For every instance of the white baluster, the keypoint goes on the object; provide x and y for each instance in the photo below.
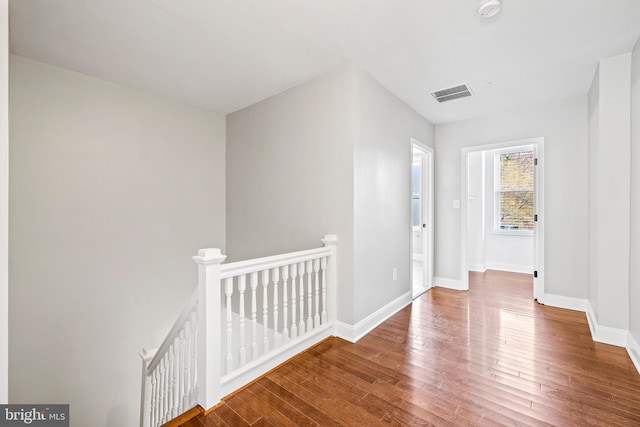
(228, 291)
(242, 285)
(285, 303)
(193, 393)
(167, 387)
(265, 309)
(323, 266)
(162, 392)
(186, 364)
(309, 296)
(294, 326)
(301, 326)
(316, 284)
(170, 374)
(181, 371)
(277, 339)
(154, 397)
(254, 315)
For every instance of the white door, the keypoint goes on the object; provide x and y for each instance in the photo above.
(421, 219)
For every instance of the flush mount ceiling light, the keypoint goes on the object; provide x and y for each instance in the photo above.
(489, 8)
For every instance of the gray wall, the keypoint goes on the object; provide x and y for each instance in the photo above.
(112, 191)
(330, 156)
(4, 199)
(290, 175)
(634, 294)
(593, 213)
(563, 124)
(382, 176)
(609, 190)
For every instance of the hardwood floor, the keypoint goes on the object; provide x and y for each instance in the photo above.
(489, 356)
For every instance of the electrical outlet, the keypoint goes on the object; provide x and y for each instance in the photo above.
(394, 274)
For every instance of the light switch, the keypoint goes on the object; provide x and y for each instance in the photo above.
(456, 204)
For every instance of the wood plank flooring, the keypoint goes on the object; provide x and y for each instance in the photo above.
(489, 356)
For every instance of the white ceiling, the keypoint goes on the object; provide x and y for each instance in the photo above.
(228, 54)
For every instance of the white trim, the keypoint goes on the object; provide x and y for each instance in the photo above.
(262, 365)
(569, 303)
(478, 268)
(428, 279)
(417, 257)
(454, 284)
(513, 268)
(419, 291)
(605, 334)
(353, 333)
(497, 170)
(633, 348)
(599, 333)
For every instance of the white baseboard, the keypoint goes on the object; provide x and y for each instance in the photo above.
(353, 333)
(419, 291)
(449, 283)
(605, 334)
(633, 348)
(513, 268)
(479, 268)
(570, 303)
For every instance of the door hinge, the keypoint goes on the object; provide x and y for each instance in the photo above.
(535, 217)
(535, 273)
(535, 162)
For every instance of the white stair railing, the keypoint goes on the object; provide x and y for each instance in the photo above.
(244, 319)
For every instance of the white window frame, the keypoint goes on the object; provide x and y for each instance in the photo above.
(496, 190)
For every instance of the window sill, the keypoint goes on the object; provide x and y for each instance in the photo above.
(523, 233)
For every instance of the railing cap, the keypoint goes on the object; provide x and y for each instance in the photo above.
(209, 256)
(330, 240)
(148, 354)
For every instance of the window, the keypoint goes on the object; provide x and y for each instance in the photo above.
(514, 190)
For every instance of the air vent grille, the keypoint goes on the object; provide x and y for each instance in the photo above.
(449, 94)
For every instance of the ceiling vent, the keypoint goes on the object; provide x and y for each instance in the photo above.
(449, 94)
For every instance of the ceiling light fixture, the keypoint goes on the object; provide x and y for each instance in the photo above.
(489, 8)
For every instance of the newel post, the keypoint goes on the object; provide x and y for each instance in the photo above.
(145, 407)
(331, 241)
(209, 326)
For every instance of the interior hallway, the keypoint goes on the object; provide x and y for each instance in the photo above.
(487, 356)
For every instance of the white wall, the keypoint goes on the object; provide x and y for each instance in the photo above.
(594, 144)
(290, 175)
(634, 261)
(330, 156)
(112, 191)
(476, 182)
(563, 124)
(4, 200)
(382, 188)
(609, 181)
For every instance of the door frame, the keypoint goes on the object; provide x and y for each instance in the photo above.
(427, 206)
(538, 231)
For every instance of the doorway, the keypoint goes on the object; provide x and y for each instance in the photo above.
(421, 218)
(494, 235)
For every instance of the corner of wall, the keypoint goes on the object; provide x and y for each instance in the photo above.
(605, 334)
(633, 348)
(353, 333)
